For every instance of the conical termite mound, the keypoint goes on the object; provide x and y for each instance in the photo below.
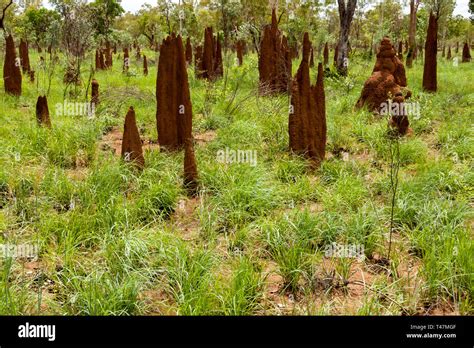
(190, 180)
(240, 48)
(326, 54)
(274, 62)
(307, 117)
(387, 79)
(95, 92)
(210, 62)
(24, 56)
(174, 111)
(42, 112)
(189, 51)
(132, 151)
(430, 80)
(466, 53)
(11, 69)
(145, 66)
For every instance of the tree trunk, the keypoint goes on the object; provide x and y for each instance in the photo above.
(412, 32)
(346, 13)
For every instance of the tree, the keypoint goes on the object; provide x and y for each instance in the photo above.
(412, 31)
(346, 13)
(4, 11)
(104, 13)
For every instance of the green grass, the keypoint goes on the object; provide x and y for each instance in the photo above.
(114, 241)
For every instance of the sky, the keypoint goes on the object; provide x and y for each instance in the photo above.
(462, 7)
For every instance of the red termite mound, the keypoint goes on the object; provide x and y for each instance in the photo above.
(466, 54)
(145, 66)
(431, 49)
(206, 62)
(174, 111)
(94, 92)
(191, 182)
(42, 112)
(307, 119)
(210, 62)
(388, 78)
(326, 54)
(274, 62)
(99, 60)
(11, 69)
(131, 143)
(240, 48)
(386, 82)
(189, 51)
(24, 56)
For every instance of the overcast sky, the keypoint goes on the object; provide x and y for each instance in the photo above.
(134, 5)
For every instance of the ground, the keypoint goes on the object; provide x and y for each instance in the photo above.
(114, 241)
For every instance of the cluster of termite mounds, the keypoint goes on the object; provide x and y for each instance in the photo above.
(274, 63)
(387, 82)
(209, 62)
(307, 118)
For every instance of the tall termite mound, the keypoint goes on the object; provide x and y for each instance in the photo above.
(240, 48)
(326, 54)
(94, 92)
(449, 56)
(145, 66)
(42, 112)
(24, 56)
(174, 111)
(11, 69)
(274, 62)
(190, 179)
(132, 151)
(430, 82)
(210, 61)
(189, 51)
(307, 118)
(385, 85)
(387, 79)
(466, 54)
